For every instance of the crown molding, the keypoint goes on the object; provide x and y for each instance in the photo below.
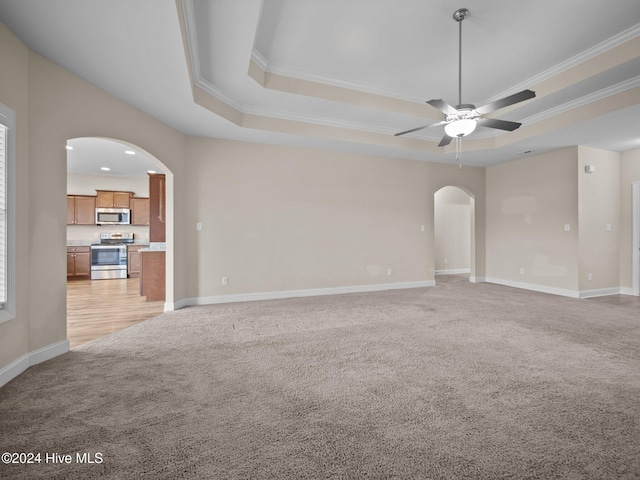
(209, 88)
(332, 81)
(572, 62)
(584, 100)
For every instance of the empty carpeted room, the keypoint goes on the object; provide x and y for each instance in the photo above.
(402, 239)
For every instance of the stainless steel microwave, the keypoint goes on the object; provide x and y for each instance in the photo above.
(113, 216)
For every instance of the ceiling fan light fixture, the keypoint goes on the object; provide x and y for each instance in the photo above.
(460, 128)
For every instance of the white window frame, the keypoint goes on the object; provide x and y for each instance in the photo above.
(7, 119)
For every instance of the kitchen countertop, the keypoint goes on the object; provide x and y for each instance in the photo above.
(88, 243)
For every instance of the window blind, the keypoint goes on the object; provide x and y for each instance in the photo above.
(3, 216)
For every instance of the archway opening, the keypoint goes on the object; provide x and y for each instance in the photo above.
(454, 242)
(101, 304)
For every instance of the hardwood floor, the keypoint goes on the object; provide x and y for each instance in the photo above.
(98, 307)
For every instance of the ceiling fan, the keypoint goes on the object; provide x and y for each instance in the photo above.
(463, 119)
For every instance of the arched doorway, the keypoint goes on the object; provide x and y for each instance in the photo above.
(96, 307)
(454, 242)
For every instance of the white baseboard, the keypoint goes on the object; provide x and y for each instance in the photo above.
(599, 292)
(627, 291)
(454, 271)
(477, 279)
(168, 306)
(535, 288)
(27, 360)
(251, 297)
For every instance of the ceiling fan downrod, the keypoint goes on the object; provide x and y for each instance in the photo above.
(459, 15)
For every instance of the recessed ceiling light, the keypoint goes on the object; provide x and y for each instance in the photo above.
(129, 152)
(68, 147)
(106, 169)
(151, 171)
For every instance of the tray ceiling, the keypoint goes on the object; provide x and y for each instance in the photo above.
(347, 75)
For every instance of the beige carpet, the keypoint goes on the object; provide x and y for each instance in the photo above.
(455, 381)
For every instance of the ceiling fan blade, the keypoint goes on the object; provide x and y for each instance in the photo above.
(499, 124)
(417, 128)
(446, 140)
(506, 101)
(409, 131)
(443, 106)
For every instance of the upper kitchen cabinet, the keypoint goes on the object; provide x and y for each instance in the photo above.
(157, 212)
(81, 210)
(113, 199)
(139, 211)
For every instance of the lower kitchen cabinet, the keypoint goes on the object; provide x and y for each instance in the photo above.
(152, 275)
(134, 260)
(78, 263)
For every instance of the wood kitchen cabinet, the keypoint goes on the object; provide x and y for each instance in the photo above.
(157, 204)
(78, 263)
(113, 199)
(152, 275)
(139, 210)
(81, 210)
(134, 260)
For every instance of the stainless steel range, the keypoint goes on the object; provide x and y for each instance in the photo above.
(109, 257)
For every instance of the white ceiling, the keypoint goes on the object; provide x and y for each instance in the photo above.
(346, 74)
(89, 156)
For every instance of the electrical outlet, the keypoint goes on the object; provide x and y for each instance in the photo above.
(422, 228)
(590, 276)
(199, 226)
(388, 271)
(225, 280)
(522, 271)
(446, 261)
(567, 227)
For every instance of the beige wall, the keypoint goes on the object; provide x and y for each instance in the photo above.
(452, 230)
(599, 219)
(14, 93)
(629, 173)
(281, 218)
(275, 218)
(528, 203)
(53, 105)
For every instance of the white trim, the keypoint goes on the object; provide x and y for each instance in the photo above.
(635, 244)
(599, 292)
(563, 66)
(453, 271)
(312, 292)
(169, 306)
(9, 121)
(478, 279)
(584, 100)
(200, 81)
(316, 120)
(572, 62)
(30, 359)
(626, 291)
(536, 288)
(299, 74)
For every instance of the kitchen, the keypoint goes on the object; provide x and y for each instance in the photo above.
(115, 238)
